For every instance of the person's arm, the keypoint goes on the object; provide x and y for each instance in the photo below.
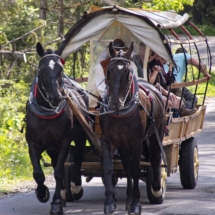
(203, 68)
(153, 75)
(164, 92)
(100, 82)
(161, 89)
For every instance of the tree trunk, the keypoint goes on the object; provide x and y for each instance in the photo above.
(60, 20)
(43, 8)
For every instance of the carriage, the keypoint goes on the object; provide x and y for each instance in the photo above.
(162, 32)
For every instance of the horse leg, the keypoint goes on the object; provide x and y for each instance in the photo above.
(155, 163)
(53, 154)
(57, 203)
(135, 207)
(110, 203)
(76, 188)
(42, 192)
(126, 162)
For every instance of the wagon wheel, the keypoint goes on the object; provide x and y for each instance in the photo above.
(114, 180)
(189, 163)
(149, 178)
(68, 177)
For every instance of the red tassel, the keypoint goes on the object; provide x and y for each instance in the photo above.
(62, 61)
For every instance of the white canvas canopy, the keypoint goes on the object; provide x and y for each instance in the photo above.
(163, 19)
(144, 25)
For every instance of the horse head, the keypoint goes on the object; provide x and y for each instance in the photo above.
(119, 77)
(50, 75)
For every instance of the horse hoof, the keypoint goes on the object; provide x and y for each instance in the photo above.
(110, 208)
(128, 204)
(156, 193)
(79, 195)
(63, 203)
(135, 210)
(43, 198)
(56, 209)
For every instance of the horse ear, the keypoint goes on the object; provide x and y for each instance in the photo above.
(130, 50)
(111, 50)
(40, 49)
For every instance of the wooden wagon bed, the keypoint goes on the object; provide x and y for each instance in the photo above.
(180, 129)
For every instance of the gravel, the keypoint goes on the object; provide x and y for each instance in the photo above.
(27, 186)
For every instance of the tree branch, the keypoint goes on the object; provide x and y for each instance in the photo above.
(64, 8)
(23, 35)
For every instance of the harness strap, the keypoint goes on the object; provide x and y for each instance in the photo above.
(50, 117)
(152, 123)
(145, 90)
(115, 115)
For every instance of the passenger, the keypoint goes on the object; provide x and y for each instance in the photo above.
(189, 98)
(139, 59)
(101, 68)
(182, 58)
(157, 76)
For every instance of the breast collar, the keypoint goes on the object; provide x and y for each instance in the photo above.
(42, 112)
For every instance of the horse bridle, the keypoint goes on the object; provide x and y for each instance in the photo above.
(46, 97)
(131, 77)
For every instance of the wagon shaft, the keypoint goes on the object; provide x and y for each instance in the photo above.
(91, 135)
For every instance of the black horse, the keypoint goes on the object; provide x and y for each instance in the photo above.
(51, 126)
(131, 114)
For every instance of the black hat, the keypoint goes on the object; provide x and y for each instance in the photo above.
(118, 44)
(181, 50)
(141, 44)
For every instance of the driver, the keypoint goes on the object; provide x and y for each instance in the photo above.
(101, 68)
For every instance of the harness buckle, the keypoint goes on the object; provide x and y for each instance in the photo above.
(151, 119)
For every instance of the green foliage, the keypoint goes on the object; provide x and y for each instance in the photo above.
(14, 157)
(211, 86)
(201, 89)
(3, 38)
(18, 18)
(167, 4)
(78, 64)
(202, 12)
(207, 30)
(32, 39)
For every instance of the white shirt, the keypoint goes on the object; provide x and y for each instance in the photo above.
(100, 78)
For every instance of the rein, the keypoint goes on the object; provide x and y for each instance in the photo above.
(151, 119)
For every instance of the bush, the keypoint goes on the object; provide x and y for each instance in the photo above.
(201, 87)
(14, 159)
